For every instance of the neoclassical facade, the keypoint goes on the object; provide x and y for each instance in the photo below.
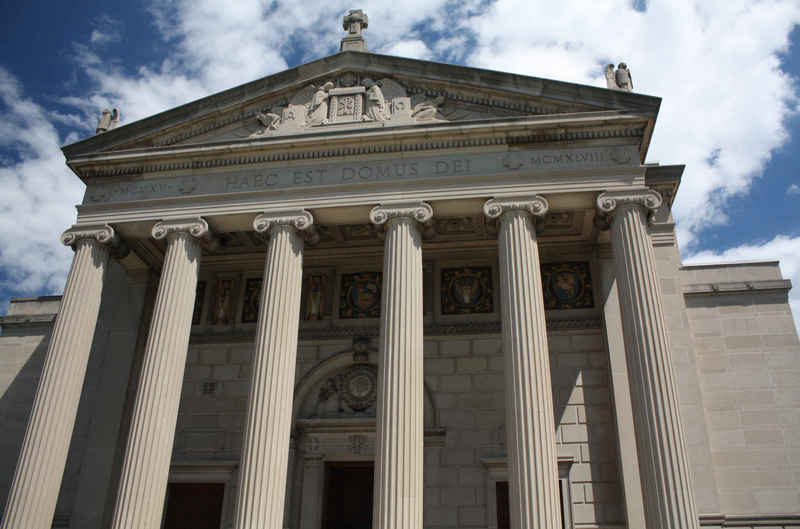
(375, 291)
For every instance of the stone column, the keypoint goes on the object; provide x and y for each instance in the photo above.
(398, 489)
(663, 462)
(145, 470)
(34, 491)
(264, 460)
(530, 422)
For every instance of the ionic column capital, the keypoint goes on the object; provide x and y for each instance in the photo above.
(100, 233)
(299, 220)
(196, 227)
(647, 199)
(536, 205)
(421, 212)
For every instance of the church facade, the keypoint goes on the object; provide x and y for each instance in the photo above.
(380, 292)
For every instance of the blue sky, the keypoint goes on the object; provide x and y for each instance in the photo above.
(727, 71)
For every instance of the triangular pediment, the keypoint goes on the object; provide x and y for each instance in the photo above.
(362, 91)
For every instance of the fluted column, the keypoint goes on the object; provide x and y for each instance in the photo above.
(32, 499)
(399, 460)
(530, 421)
(264, 460)
(663, 462)
(145, 470)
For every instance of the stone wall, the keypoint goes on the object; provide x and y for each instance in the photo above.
(466, 383)
(748, 360)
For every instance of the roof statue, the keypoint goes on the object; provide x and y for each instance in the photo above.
(354, 21)
(620, 79)
(107, 120)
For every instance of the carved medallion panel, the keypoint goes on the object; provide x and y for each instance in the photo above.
(567, 286)
(360, 295)
(467, 290)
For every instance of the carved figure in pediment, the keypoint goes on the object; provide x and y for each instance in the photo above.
(269, 120)
(375, 108)
(427, 109)
(318, 109)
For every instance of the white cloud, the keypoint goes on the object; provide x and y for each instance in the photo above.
(37, 197)
(784, 248)
(793, 189)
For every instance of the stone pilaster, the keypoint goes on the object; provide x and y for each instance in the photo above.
(262, 479)
(145, 470)
(663, 462)
(398, 495)
(530, 421)
(34, 491)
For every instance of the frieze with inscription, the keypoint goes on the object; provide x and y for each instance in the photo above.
(368, 172)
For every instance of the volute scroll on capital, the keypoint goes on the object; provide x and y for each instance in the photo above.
(421, 212)
(536, 205)
(102, 233)
(647, 199)
(300, 220)
(196, 227)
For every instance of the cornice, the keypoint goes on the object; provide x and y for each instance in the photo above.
(737, 287)
(433, 137)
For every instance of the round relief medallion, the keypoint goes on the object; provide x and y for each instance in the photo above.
(360, 385)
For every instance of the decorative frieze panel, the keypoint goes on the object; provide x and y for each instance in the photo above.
(567, 286)
(467, 290)
(360, 295)
(252, 299)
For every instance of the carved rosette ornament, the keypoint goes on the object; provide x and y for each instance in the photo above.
(360, 387)
(535, 205)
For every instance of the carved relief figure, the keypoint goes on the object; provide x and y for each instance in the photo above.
(375, 109)
(315, 298)
(318, 109)
(222, 309)
(268, 119)
(427, 109)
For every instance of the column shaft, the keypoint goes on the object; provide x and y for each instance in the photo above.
(530, 421)
(399, 458)
(663, 462)
(32, 499)
(264, 460)
(145, 470)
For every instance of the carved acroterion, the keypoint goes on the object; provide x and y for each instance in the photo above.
(620, 79)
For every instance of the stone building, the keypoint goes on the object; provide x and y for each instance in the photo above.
(380, 290)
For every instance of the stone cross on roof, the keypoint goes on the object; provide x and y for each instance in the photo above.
(354, 21)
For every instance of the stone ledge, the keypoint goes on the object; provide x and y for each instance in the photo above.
(736, 287)
(749, 520)
(27, 319)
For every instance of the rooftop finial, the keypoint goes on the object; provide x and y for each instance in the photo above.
(354, 21)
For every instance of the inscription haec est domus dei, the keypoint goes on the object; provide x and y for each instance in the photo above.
(364, 172)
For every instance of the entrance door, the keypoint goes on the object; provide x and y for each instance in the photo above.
(348, 496)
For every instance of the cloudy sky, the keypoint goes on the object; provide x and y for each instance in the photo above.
(727, 71)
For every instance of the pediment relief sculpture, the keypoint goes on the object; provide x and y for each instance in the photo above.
(349, 99)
